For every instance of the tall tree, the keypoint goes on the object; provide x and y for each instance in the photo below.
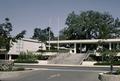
(20, 35)
(43, 34)
(5, 37)
(90, 24)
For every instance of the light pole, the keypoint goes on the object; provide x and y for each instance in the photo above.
(49, 33)
(58, 36)
(49, 36)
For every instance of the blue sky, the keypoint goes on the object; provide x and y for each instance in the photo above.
(29, 14)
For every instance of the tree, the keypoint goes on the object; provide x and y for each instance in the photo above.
(111, 55)
(117, 28)
(43, 34)
(5, 37)
(21, 34)
(108, 56)
(90, 24)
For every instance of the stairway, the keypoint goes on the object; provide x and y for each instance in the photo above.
(67, 58)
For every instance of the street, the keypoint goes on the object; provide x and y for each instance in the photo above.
(88, 68)
(57, 75)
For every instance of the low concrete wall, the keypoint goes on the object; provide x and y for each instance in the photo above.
(42, 62)
(46, 53)
(88, 63)
(108, 77)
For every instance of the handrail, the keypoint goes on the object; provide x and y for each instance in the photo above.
(89, 52)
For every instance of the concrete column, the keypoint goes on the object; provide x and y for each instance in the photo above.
(117, 46)
(110, 46)
(74, 47)
(10, 57)
(80, 48)
(84, 49)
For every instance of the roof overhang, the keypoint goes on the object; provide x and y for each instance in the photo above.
(85, 41)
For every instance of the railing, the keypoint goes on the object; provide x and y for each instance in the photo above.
(89, 53)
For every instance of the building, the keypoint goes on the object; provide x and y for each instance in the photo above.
(78, 46)
(25, 45)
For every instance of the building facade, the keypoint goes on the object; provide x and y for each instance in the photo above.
(78, 46)
(25, 45)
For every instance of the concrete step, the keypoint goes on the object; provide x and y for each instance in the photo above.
(68, 59)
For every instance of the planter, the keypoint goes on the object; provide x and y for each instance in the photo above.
(108, 77)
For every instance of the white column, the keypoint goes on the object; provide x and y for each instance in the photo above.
(58, 46)
(10, 57)
(110, 46)
(74, 47)
(80, 48)
(117, 46)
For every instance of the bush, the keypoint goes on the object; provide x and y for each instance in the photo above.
(54, 50)
(26, 57)
(47, 51)
(118, 71)
(6, 65)
(25, 61)
(107, 63)
(92, 58)
(41, 57)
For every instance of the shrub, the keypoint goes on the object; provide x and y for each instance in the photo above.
(26, 57)
(55, 50)
(25, 61)
(6, 65)
(42, 57)
(118, 71)
(107, 63)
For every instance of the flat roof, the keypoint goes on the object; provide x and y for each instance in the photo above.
(31, 40)
(86, 41)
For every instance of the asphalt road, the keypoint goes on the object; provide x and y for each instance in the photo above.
(57, 75)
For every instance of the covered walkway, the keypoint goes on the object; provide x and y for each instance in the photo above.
(108, 43)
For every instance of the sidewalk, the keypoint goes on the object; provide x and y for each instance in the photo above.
(84, 64)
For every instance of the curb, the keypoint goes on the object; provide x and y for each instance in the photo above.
(61, 65)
